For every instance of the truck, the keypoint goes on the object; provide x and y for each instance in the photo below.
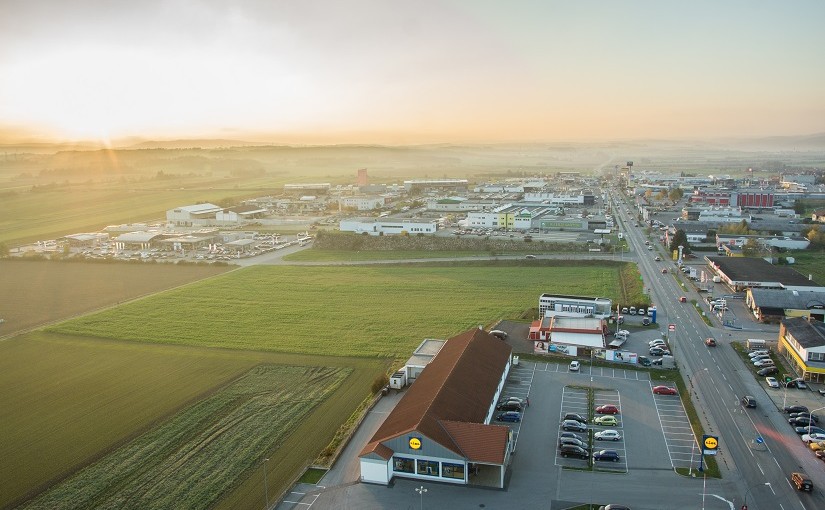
(692, 273)
(717, 279)
(754, 344)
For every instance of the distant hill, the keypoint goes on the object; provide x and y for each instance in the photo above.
(188, 144)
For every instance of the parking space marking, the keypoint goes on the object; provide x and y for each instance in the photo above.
(680, 440)
(606, 372)
(602, 397)
(573, 400)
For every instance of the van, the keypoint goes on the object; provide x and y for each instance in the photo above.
(802, 482)
(501, 334)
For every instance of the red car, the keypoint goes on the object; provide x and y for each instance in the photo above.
(683, 299)
(710, 342)
(665, 390)
(664, 270)
(607, 409)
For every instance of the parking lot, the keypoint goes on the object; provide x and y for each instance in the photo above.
(679, 439)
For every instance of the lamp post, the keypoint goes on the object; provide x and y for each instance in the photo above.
(266, 487)
(811, 422)
(745, 504)
(421, 490)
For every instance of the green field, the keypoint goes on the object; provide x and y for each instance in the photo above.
(810, 262)
(312, 255)
(345, 311)
(195, 458)
(76, 399)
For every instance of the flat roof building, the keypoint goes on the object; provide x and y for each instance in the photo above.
(802, 342)
(741, 273)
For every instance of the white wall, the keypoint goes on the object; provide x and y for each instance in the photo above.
(375, 471)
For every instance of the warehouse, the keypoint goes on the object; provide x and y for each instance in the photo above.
(440, 430)
(742, 273)
(773, 305)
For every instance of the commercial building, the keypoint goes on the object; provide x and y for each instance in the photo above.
(570, 335)
(440, 429)
(388, 226)
(422, 185)
(742, 273)
(773, 305)
(786, 242)
(362, 203)
(802, 342)
(582, 305)
(192, 215)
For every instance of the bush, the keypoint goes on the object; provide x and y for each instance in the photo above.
(379, 383)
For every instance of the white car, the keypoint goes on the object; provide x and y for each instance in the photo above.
(764, 363)
(754, 354)
(772, 382)
(809, 438)
(607, 435)
(658, 341)
(574, 366)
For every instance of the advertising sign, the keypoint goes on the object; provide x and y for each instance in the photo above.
(710, 445)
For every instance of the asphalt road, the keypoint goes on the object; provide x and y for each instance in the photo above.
(718, 379)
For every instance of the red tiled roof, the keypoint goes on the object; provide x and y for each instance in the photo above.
(379, 449)
(457, 385)
(480, 443)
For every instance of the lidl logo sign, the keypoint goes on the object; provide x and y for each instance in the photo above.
(711, 443)
(415, 443)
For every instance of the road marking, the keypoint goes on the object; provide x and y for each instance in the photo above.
(760, 469)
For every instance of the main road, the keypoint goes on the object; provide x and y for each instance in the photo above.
(717, 379)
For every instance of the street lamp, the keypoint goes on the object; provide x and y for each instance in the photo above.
(266, 488)
(421, 490)
(811, 422)
(745, 504)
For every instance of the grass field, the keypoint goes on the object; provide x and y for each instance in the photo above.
(33, 293)
(361, 256)
(76, 399)
(343, 311)
(203, 451)
(810, 262)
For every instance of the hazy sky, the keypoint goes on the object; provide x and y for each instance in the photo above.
(384, 71)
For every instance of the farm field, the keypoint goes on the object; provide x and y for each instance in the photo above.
(810, 262)
(76, 399)
(359, 256)
(34, 293)
(197, 456)
(347, 311)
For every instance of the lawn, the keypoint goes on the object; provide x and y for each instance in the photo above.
(382, 311)
(77, 399)
(810, 262)
(34, 293)
(199, 455)
(312, 255)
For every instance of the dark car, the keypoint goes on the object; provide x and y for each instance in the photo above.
(569, 450)
(575, 442)
(513, 416)
(768, 371)
(574, 416)
(570, 435)
(574, 425)
(801, 421)
(607, 409)
(748, 401)
(509, 406)
(658, 351)
(611, 455)
(644, 361)
(806, 415)
(796, 409)
(645, 322)
(809, 430)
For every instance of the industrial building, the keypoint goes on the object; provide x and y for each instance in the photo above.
(388, 226)
(742, 273)
(440, 430)
(582, 305)
(773, 305)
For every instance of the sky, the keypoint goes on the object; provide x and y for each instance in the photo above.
(385, 71)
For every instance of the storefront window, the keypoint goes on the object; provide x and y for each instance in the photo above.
(428, 467)
(403, 465)
(453, 470)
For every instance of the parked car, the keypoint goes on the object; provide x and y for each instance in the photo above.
(611, 455)
(511, 405)
(765, 363)
(512, 416)
(772, 382)
(607, 409)
(664, 270)
(801, 421)
(760, 358)
(657, 258)
(665, 390)
(569, 450)
(768, 371)
(658, 351)
(748, 401)
(570, 435)
(658, 341)
(800, 384)
(574, 366)
(606, 421)
(614, 507)
(820, 454)
(504, 400)
(645, 322)
(813, 437)
(760, 352)
(574, 425)
(816, 445)
(809, 430)
(682, 299)
(575, 442)
(574, 416)
(607, 435)
(710, 342)
(644, 361)
(805, 415)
